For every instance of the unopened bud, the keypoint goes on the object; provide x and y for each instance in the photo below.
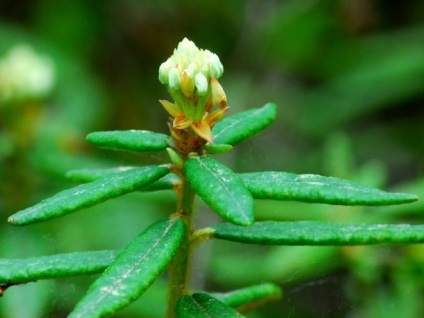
(201, 84)
(215, 66)
(174, 78)
(164, 69)
(187, 49)
(187, 85)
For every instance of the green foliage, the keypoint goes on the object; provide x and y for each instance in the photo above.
(319, 233)
(89, 194)
(250, 296)
(337, 68)
(221, 189)
(202, 305)
(317, 189)
(132, 140)
(135, 268)
(18, 271)
(240, 127)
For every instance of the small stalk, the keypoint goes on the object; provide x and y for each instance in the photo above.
(179, 269)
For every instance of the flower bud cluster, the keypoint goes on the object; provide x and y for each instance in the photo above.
(24, 75)
(190, 75)
(190, 68)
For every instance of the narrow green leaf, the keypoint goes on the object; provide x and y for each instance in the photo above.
(90, 175)
(221, 189)
(167, 182)
(16, 271)
(89, 194)
(133, 271)
(200, 305)
(250, 297)
(320, 233)
(130, 140)
(317, 189)
(217, 148)
(235, 129)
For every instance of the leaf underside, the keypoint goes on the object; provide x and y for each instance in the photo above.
(89, 194)
(16, 271)
(235, 129)
(133, 270)
(130, 140)
(317, 189)
(200, 305)
(319, 233)
(221, 189)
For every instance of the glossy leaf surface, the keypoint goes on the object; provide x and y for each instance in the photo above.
(320, 233)
(200, 305)
(317, 189)
(89, 194)
(235, 129)
(130, 140)
(250, 296)
(133, 271)
(221, 189)
(15, 271)
(167, 182)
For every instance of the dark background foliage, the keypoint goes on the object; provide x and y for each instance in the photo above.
(348, 78)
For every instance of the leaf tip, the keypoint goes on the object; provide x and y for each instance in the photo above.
(271, 106)
(13, 220)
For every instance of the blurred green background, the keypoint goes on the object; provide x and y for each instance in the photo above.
(348, 78)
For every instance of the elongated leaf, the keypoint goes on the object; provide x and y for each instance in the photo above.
(167, 182)
(90, 175)
(217, 148)
(320, 233)
(89, 194)
(317, 189)
(200, 305)
(133, 271)
(250, 297)
(16, 271)
(240, 127)
(130, 140)
(221, 189)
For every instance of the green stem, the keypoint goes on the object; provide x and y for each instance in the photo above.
(179, 270)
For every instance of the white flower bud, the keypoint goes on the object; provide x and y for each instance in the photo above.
(187, 49)
(215, 66)
(191, 70)
(164, 69)
(201, 83)
(174, 78)
(205, 69)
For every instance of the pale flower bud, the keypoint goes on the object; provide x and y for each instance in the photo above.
(164, 69)
(174, 78)
(201, 83)
(187, 84)
(190, 75)
(190, 60)
(187, 49)
(215, 66)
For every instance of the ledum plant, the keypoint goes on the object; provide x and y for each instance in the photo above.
(198, 130)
